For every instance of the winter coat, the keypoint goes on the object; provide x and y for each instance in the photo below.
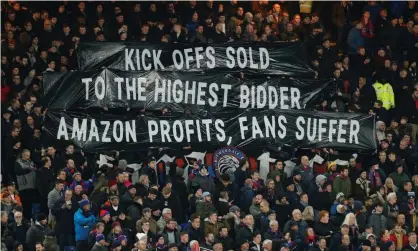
(83, 225)
(214, 228)
(384, 92)
(338, 15)
(307, 176)
(126, 200)
(152, 225)
(240, 177)
(87, 186)
(176, 236)
(361, 189)
(399, 178)
(404, 238)
(354, 40)
(26, 176)
(322, 229)
(53, 197)
(98, 247)
(204, 209)
(173, 203)
(64, 216)
(244, 234)
(247, 195)
(342, 185)
(44, 181)
(152, 175)
(204, 182)
(134, 211)
(19, 232)
(195, 234)
(227, 242)
(378, 221)
(50, 243)
(391, 211)
(36, 233)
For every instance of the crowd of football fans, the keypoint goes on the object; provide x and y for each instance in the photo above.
(51, 198)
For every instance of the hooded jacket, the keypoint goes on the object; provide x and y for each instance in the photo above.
(83, 225)
(36, 233)
(378, 221)
(384, 92)
(342, 185)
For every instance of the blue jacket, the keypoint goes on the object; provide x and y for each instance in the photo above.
(354, 40)
(83, 225)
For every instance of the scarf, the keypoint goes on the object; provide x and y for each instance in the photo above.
(399, 241)
(375, 178)
(310, 240)
(256, 184)
(304, 203)
(346, 85)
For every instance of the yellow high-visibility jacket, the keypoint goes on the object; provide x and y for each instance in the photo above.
(384, 92)
(305, 6)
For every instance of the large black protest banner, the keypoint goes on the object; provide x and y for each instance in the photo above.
(177, 91)
(246, 130)
(284, 59)
(125, 98)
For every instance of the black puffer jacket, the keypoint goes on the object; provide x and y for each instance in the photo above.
(36, 233)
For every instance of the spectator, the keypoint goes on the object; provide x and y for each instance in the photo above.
(369, 49)
(83, 221)
(377, 220)
(355, 40)
(37, 231)
(342, 183)
(26, 181)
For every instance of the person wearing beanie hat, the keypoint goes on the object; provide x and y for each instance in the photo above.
(75, 174)
(77, 180)
(123, 240)
(103, 213)
(36, 232)
(100, 244)
(128, 198)
(116, 244)
(234, 209)
(84, 221)
(390, 245)
(84, 203)
(41, 217)
(100, 237)
(112, 183)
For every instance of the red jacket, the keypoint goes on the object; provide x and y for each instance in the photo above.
(404, 239)
(5, 90)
